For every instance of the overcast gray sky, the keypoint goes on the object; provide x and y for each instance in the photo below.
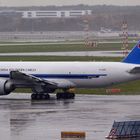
(66, 2)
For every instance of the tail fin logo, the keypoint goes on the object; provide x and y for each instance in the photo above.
(139, 46)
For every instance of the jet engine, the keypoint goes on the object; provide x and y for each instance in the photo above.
(6, 87)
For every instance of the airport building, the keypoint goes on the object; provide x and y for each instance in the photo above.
(55, 14)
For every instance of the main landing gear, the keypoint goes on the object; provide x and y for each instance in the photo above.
(40, 96)
(65, 95)
(46, 96)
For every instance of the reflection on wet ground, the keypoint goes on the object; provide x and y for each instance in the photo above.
(21, 119)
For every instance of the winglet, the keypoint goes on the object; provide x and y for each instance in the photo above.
(134, 56)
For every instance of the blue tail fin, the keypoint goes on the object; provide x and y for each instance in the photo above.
(134, 55)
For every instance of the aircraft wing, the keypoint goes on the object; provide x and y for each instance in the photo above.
(33, 80)
(135, 70)
(16, 75)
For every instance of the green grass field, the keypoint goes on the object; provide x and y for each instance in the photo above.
(130, 88)
(59, 58)
(60, 47)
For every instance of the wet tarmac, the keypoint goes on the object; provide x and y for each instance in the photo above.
(21, 118)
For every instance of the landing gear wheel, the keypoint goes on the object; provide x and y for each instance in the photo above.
(38, 97)
(65, 95)
(47, 96)
(41, 96)
(33, 96)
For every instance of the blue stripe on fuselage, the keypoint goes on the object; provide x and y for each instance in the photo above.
(63, 76)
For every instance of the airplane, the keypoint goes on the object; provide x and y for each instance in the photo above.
(46, 77)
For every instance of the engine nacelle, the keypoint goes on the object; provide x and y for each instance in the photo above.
(6, 87)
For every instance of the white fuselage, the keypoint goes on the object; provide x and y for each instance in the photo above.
(79, 74)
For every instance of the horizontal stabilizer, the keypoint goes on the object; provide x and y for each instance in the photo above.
(135, 70)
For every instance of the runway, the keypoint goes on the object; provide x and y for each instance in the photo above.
(21, 119)
(73, 53)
